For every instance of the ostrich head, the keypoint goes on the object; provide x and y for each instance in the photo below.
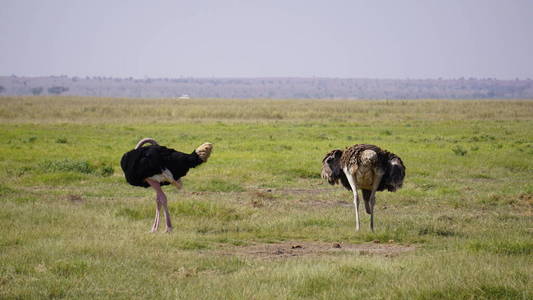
(204, 151)
(395, 174)
(331, 167)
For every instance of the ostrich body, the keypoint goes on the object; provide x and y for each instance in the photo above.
(155, 165)
(365, 167)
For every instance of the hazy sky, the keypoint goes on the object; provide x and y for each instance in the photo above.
(225, 38)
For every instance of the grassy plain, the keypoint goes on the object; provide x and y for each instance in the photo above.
(71, 227)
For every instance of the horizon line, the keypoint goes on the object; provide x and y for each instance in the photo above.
(269, 77)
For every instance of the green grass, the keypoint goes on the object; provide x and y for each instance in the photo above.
(71, 227)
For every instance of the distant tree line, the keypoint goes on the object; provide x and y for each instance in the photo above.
(56, 90)
(334, 88)
(37, 90)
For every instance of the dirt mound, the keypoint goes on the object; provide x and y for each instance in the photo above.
(299, 248)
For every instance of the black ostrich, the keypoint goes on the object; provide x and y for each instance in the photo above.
(156, 165)
(366, 167)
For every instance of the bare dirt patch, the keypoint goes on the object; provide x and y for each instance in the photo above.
(298, 190)
(75, 198)
(302, 248)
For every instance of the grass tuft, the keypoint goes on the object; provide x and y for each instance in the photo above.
(66, 165)
(303, 173)
(193, 245)
(75, 166)
(436, 232)
(503, 247)
(314, 286)
(219, 185)
(76, 268)
(206, 210)
(136, 213)
(459, 150)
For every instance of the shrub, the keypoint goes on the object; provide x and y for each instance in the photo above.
(67, 165)
(386, 132)
(459, 150)
(106, 170)
(75, 166)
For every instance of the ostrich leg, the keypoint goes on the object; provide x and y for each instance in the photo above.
(377, 180)
(155, 185)
(155, 226)
(355, 197)
(167, 213)
(161, 199)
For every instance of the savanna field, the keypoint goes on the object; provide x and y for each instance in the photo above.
(257, 221)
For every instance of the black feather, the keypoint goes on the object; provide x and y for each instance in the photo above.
(139, 164)
(394, 173)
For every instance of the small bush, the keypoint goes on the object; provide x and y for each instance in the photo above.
(31, 139)
(67, 165)
(106, 170)
(386, 132)
(61, 141)
(482, 138)
(482, 176)
(459, 150)
(76, 166)
(280, 148)
(436, 232)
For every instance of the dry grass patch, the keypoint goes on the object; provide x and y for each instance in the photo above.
(292, 249)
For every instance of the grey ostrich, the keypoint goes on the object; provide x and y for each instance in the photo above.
(365, 167)
(155, 165)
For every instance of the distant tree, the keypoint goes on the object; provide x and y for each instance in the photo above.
(57, 90)
(37, 90)
(2, 89)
